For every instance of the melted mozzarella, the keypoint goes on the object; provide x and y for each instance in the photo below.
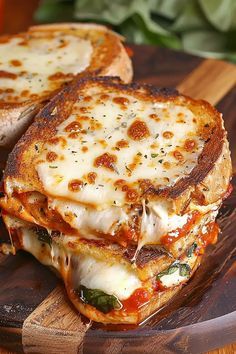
(104, 125)
(37, 59)
(111, 278)
(87, 220)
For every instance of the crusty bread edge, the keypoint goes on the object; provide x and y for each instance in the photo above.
(15, 118)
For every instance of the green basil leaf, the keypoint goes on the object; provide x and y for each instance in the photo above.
(170, 270)
(184, 270)
(191, 249)
(100, 300)
(43, 236)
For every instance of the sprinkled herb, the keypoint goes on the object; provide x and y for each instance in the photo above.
(139, 154)
(43, 236)
(53, 166)
(161, 160)
(191, 249)
(128, 169)
(184, 270)
(156, 136)
(145, 156)
(154, 155)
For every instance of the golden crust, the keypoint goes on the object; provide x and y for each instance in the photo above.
(108, 58)
(198, 187)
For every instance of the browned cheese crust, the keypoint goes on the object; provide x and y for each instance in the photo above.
(205, 184)
(109, 57)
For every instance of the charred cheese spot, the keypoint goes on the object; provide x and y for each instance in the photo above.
(7, 75)
(189, 145)
(87, 98)
(131, 195)
(121, 101)
(60, 76)
(122, 144)
(84, 109)
(168, 135)
(51, 156)
(91, 177)
(138, 130)
(75, 185)
(15, 62)
(84, 149)
(74, 135)
(106, 160)
(73, 127)
(154, 117)
(178, 156)
(104, 97)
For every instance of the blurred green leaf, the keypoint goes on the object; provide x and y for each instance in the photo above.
(203, 27)
(220, 13)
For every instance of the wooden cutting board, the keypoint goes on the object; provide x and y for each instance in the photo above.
(35, 315)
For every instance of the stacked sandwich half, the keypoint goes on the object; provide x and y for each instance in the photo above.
(117, 187)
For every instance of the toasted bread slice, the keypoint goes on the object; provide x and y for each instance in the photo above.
(180, 167)
(37, 63)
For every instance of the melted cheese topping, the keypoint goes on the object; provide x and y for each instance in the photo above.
(118, 138)
(113, 279)
(28, 63)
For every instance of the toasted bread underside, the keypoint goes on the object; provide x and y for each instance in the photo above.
(26, 60)
(206, 182)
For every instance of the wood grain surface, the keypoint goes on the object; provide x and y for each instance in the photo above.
(32, 297)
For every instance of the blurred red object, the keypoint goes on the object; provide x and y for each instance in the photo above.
(1, 14)
(16, 15)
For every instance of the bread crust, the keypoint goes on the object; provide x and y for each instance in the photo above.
(206, 183)
(108, 58)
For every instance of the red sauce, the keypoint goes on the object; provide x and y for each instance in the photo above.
(228, 192)
(106, 160)
(210, 237)
(138, 130)
(136, 300)
(158, 286)
(180, 232)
